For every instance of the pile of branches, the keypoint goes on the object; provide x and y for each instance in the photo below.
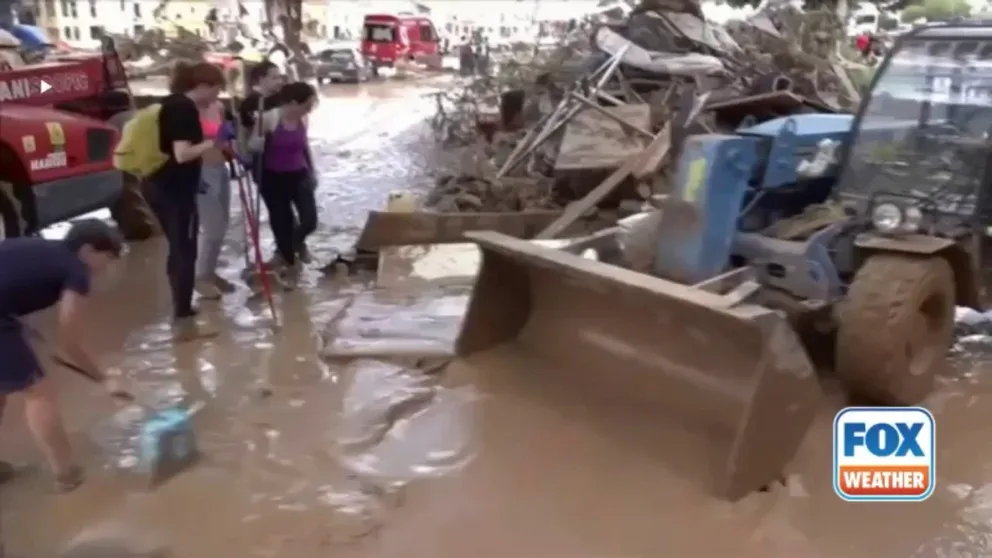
(802, 45)
(781, 61)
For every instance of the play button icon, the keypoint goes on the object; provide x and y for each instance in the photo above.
(45, 87)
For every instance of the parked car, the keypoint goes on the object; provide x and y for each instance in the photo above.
(341, 63)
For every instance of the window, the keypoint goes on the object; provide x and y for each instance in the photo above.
(50, 8)
(73, 11)
(379, 33)
(93, 8)
(96, 32)
(123, 6)
(137, 9)
(138, 30)
(65, 8)
(67, 33)
(338, 55)
(75, 33)
(427, 33)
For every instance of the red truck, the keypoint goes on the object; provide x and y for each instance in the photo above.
(59, 124)
(387, 38)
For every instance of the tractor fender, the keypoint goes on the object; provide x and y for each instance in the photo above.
(965, 278)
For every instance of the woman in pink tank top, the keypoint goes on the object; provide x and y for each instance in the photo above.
(214, 205)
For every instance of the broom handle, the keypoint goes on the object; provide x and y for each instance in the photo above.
(36, 335)
(252, 222)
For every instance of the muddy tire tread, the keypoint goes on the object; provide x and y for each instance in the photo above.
(11, 220)
(132, 213)
(886, 292)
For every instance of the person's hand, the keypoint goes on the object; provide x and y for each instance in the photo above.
(227, 131)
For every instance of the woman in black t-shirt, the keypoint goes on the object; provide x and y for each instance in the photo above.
(175, 185)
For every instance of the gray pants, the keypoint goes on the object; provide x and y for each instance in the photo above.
(214, 205)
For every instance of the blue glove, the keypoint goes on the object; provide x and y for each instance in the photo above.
(227, 132)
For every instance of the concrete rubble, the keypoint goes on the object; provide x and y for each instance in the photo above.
(595, 122)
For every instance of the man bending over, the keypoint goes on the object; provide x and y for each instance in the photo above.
(36, 274)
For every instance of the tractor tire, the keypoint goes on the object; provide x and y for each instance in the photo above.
(895, 328)
(11, 225)
(132, 213)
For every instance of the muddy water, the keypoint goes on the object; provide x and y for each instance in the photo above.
(307, 457)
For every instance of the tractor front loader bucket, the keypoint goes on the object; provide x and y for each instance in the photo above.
(721, 391)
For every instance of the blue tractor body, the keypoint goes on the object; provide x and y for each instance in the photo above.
(740, 186)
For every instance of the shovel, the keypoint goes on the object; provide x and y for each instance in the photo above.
(167, 443)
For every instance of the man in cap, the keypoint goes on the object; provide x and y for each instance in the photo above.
(35, 274)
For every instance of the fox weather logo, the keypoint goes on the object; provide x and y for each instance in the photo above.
(884, 454)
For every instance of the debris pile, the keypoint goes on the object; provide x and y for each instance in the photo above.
(153, 52)
(600, 117)
(464, 192)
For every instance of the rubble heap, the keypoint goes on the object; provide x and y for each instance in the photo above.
(600, 116)
(153, 52)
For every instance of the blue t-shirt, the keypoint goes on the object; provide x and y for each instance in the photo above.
(34, 273)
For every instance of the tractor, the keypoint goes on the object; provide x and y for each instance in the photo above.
(60, 120)
(848, 236)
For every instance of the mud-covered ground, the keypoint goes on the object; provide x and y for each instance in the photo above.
(307, 458)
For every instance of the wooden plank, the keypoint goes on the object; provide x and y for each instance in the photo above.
(654, 154)
(579, 208)
(611, 115)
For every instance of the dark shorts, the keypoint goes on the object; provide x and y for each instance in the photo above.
(19, 367)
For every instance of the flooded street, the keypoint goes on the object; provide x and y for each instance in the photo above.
(309, 457)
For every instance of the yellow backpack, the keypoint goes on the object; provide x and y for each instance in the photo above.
(138, 151)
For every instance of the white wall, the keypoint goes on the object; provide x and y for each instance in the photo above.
(504, 19)
(112, 16)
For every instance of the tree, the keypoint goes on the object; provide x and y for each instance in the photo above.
(937, 10)
(886, 23)
(884, 5)
(912, 13)
(287, 17)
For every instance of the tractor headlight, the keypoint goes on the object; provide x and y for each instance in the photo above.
(912, 218)
(887, 217)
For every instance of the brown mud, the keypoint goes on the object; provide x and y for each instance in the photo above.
(311, 457)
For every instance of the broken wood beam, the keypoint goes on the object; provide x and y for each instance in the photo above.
(654, 154)
(616, 118)
(577, 209)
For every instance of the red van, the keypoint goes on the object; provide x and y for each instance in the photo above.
(388, 38)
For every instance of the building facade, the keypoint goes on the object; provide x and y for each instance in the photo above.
(499, 20)
(505, 20)
(81, 23)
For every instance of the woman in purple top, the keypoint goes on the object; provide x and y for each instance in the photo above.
(287, 170)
